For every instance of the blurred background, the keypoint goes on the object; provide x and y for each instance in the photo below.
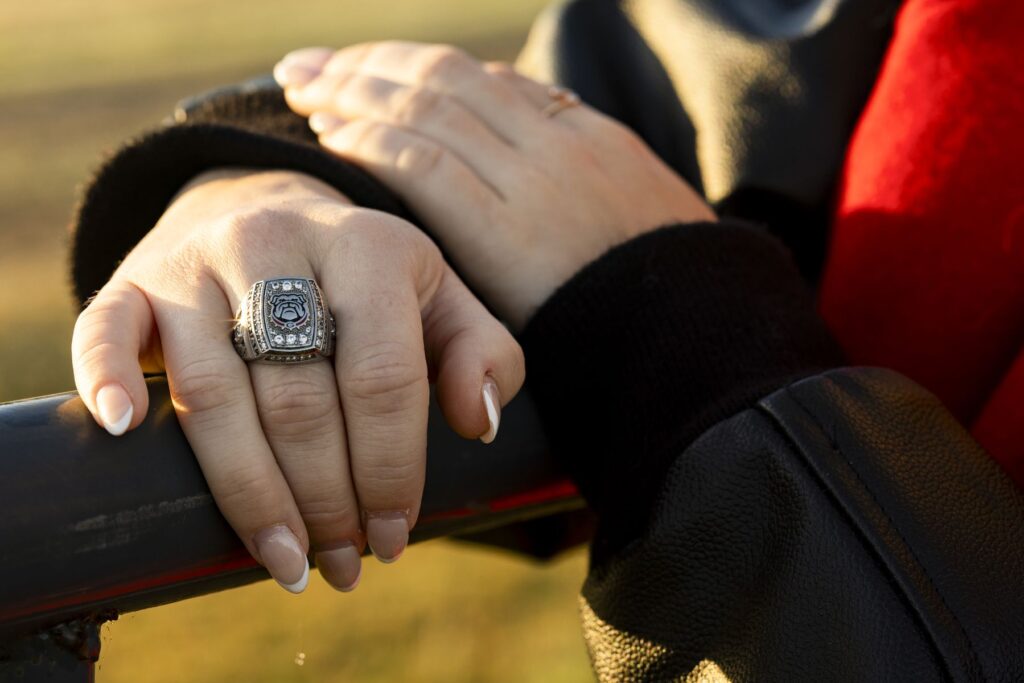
(75, 79)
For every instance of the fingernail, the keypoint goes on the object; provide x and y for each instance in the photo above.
(341, 566)
(280, 552)
(311, 57)
(115, 408)
(293, 74)
(387, 533)
(492, 402)
(321, 122)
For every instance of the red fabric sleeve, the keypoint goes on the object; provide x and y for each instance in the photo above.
(925, 270)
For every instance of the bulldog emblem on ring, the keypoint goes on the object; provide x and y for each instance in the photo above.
(289, 310)
(284, 320)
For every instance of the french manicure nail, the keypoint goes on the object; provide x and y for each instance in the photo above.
(492, 403)
(280, 552)
(115, 408)
(387, 534)
(292, 74)
(321, 122)
(312, 57)
(341, 566)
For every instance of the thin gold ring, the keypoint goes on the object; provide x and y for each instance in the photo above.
(561, 98)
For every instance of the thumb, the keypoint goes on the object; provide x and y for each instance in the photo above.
(477, 364)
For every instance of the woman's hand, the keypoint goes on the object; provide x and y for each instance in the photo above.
(521, 200)
(322, 456)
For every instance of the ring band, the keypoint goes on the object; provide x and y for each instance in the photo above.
(284, 320)
(561, 98)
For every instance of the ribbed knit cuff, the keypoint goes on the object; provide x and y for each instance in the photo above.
(657, 341)
(234, 128)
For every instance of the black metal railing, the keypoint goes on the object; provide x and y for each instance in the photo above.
(95, 525)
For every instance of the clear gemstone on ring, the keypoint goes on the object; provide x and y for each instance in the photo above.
(286, 286)
(278, 339)
(303, 339)
(291, 338)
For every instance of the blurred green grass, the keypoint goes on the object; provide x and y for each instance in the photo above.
(443, 613)
(75, 79)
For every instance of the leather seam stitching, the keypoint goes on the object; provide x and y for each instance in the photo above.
(836, 448)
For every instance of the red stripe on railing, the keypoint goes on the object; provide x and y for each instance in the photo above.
(546, 494)
(242, 560)
(231, 563)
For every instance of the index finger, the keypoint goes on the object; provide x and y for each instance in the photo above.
(444, 69)
(214, 401)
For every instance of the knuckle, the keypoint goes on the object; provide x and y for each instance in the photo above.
(364, 136)
(386, 377)
(299, 409)
(244, 491)
(204, 386)
(326, 515)
(443, 63)
(334, 88)
(396, 247)
(416, 104)
(392, 237)
(112, 295)
(369, 234)
(501, 69)
(91, 326)
(104, 322)
(94, 357)
(98, 307)
(379, 477)
(386, 230)
(382, 237)
(365, 132)
(420, 158)
(348, 58)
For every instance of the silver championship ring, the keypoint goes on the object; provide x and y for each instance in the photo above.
(284, 320)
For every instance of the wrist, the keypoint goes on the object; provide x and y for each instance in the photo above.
(566, 260)
(222, 188)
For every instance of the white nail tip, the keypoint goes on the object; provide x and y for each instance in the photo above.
(121, 425)
(319, 123)
(493, 412)
(299, 585)
(279, 75)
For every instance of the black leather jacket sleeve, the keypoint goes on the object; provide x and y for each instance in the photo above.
(843, 529)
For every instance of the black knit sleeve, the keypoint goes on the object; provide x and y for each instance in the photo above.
(248, 125)
(657, 341)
